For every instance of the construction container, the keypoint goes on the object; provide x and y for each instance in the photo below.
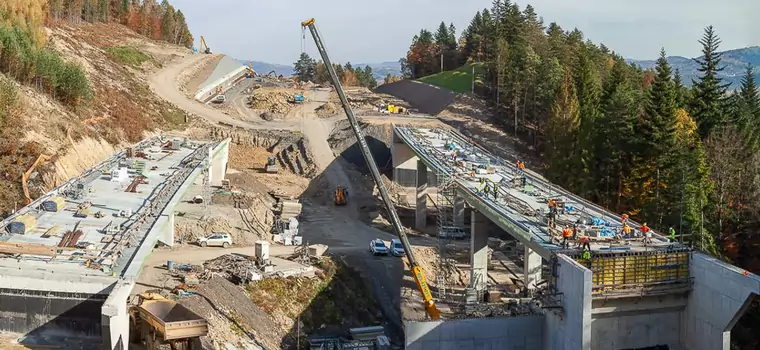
(54, 204)
(23, 224)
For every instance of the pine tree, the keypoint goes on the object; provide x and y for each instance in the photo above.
(588, 89)
(562, 131)
(305, 68)
(746, 105)
(707, 106)
(682, 92)
(657, 125)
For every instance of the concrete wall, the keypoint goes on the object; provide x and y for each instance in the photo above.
(571, 329)
(39, 314)
(499, 333)
(720, 296)
(404, 163)
(637, 330)
(226, 73)
(115, 317)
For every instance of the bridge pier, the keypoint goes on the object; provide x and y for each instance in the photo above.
(532, 262)
(479, 251)
(420, 213)
(459, 204)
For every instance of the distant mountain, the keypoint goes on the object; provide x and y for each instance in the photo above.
(264, 68)
(735, 62)
(379, 70)
(382, 69)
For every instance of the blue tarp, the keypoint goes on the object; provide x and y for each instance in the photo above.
(598, 221)
(606, 232)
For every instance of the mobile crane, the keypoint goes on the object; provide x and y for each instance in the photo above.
(419, 275)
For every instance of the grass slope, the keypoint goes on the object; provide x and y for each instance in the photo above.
(458, 80)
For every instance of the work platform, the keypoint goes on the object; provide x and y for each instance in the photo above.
(69, 259)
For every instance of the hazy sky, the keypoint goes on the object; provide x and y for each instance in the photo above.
(376, 31)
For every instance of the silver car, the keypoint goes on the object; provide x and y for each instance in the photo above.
(378, 247)
(397, 249)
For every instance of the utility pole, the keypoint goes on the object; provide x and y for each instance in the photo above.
(473, 79)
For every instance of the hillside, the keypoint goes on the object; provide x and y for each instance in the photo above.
(121, 111)
(735, 62)
(458, 80)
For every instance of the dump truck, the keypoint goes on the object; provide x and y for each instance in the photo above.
(272, 166)
(165, 321)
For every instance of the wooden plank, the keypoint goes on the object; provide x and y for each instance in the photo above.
(27, 248)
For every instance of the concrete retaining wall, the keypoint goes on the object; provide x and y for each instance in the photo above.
(43, 313)
(720, 296)
(572, 329)
(637, 331)
(227, 72)
(503, 333)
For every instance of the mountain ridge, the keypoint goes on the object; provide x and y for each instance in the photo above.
(735, 62)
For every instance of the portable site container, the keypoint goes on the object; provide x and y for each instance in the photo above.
(23, 224)
(54, 204)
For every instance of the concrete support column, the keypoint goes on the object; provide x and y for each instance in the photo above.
(531, 268)
(479, 251)
(420, 213)
(115, 317)
(210, 162)
(459, 210)
(167, 236)
(219, 164)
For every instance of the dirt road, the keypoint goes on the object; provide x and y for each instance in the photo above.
(338, 227)
(164, 84)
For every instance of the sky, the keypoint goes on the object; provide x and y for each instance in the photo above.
(378, 31)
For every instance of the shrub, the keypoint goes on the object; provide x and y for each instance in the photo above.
(127, 55)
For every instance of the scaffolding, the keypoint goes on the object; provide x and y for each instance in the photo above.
(445, 225)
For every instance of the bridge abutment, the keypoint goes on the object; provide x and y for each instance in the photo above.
(479, 251)
(420, 211)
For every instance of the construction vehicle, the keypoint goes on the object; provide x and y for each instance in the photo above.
(297, 98)
(25, 176)
(341, 196)
(163, 321)
(204, 47)
(417, 272)
(249, 72)
(272, 166)
(393, 109)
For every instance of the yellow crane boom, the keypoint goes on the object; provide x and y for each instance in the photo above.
(419, 275)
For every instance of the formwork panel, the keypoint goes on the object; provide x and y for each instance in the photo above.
(620, 272)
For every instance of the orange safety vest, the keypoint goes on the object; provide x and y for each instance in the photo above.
(567, 233)
(645, 229)
(522, 165)
(626, 229)
(583, 239)
(552, 204)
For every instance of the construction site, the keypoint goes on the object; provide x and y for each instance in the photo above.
(249, 229)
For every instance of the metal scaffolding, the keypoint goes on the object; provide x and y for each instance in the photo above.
(446, 229)
(206, 187)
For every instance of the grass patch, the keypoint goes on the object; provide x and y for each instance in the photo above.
(458, 80)
(128, 55)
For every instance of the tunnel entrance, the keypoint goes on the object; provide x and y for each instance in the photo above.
(744, 333)
(380, 152)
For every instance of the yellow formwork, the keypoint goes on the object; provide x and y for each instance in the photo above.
(637, 269)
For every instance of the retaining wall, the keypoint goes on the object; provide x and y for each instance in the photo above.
(503, 333)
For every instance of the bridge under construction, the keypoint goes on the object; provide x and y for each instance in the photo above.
(624, 291)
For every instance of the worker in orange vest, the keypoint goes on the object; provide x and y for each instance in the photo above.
(583, 242)
(567, 234)
(647, 233)
(626, 231)
(624, 219)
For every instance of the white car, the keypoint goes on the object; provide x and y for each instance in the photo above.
(397, 249)
(216, 240)
(378, 247)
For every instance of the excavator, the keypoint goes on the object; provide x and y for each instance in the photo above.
(341, 196)
(204, 47)
(417, 272)
(25, 177)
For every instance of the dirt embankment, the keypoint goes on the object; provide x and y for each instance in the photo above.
(122, 110)
(251, 149)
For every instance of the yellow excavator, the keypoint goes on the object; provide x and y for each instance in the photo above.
(204, 47)
(341, 196)
(419, 275)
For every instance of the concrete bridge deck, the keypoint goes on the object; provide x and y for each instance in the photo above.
(56, 294)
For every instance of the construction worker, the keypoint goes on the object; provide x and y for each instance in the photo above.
(487, 188)
(567, 234)
(624, 219)
(647, 234)
(495, 191)
(584, 242)
(626, 231)
(672, 234)
(644, 229)
(586, 255)
(575, 231)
